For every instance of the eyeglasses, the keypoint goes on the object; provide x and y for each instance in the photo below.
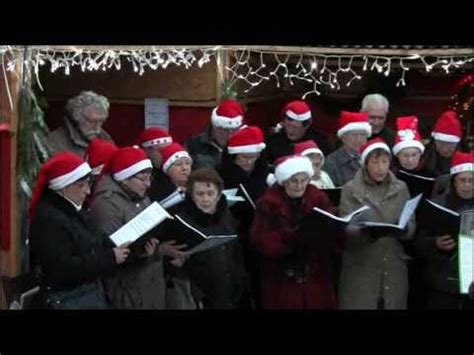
(143, 178)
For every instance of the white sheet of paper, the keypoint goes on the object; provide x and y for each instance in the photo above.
(173, 199)
(345, 218)
(408, 210)
(247, 196)
(231, 197)
(466, 264)
(157, 113)
(149, 218)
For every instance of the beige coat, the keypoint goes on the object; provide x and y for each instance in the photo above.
(138, 284)
(374, 268)
(68, 138)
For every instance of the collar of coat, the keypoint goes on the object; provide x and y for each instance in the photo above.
(344, 157)
(59, 202)
(108, 186)
(206, 138)
(274, 201)
(202, 218)
(362, 181)
(77, 137)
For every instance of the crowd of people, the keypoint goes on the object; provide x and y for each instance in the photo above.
(90, 188)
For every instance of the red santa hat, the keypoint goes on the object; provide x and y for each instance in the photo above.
(59, 171)
(290, 165)
(297, 110)
(407, 134)
(353, 121)
(308, 147)
(154, 136)
(447, 128)
(98, 154)
(171, 153)
(376, 143)
(228, 114)
(461, 161)
(248, 139)
(126, 162)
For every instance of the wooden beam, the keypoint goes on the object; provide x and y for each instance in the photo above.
(10, 258)
(337, 50)
(141, 102)
(357, 51)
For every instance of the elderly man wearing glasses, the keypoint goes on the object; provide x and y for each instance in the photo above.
(86, 114)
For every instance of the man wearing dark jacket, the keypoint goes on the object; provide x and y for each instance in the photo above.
(206, 148)
(297, 121)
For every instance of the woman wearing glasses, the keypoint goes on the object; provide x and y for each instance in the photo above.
(439, 252)
(66, 246)
(120, 195)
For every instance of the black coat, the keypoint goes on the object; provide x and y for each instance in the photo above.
(440, 268)
(161, 186)
(435, 164)
(67, 244)
(254, 183)
(278, 144)
(204, 151)
(218, 273)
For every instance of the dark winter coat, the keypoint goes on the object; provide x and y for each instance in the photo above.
(204, 151)
(218, 273)
(440, 268)
(67, 244)
(278, 144)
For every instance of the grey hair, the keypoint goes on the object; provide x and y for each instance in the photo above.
(376, 98)
(85, 100)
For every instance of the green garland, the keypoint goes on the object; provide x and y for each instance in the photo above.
(228, 91)
(33, 149)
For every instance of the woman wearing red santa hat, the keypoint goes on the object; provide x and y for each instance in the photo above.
(374, 268)
(206, 149)
(408, 151)
(244, 163)
(67, 247)
(120, 195)
(439, 252)
(295, 271)
(169, 189)
(447, 135)
(97, 155)
(320, 179)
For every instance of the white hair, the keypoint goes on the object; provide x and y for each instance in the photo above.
(374, 98)
(85, 100)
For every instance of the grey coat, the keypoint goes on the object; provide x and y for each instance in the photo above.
(341, 166)
(374, 268)
(138, 284)
(68, 138)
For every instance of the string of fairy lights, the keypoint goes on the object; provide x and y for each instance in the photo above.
(251, 67)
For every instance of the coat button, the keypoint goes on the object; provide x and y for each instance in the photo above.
(386, 288)
(385, 273)
(299, 280)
